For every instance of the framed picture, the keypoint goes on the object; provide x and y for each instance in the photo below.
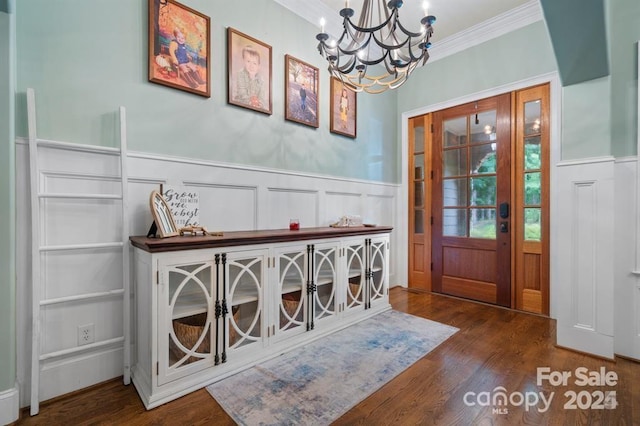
(343, 109)
(179, 47)
(248, 72)
(300, 91)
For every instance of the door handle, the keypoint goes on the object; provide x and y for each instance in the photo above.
(504, 227)
(504, 210)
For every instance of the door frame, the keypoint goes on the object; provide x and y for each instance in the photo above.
(555, 104)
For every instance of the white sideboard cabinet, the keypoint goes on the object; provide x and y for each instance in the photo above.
(208, 307)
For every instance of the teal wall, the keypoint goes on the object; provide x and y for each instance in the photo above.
(7, 204)
(586, 119)
(85, 59)
(625, 33)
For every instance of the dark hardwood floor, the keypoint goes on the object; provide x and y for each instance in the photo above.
(494, 348)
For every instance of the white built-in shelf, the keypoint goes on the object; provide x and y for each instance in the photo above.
(241, 296)
(188, 305)
(289, 286)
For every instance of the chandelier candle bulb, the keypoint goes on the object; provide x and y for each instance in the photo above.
(322, 22)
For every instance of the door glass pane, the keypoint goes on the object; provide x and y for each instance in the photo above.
(418, 163)
(532, 189)
(454, 192)
(418, 138)
(454, 222)
(532, 224)
(455, 132)
(483, 126)
(325, 299)
(355, 260)
(532, 117)
(482, 223)
(483, 191)
(418, 195)
(532, 153)
(245, 289)
(454, 162)
(292, 281)
(483, 159)
(418, 222)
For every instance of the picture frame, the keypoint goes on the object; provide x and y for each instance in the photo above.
(248, 72)
(162, 216)
(179, 47)
(343, 109)
(301, 92)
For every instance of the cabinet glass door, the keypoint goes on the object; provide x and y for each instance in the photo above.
(355, 262)
(325, 276)
(379, 271)
(245, 281)
(186, 293)
(292, 288)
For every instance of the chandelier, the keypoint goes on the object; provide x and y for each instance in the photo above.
(384, 45)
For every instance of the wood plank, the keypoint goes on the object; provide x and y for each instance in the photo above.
(478, 265)
(494, 347)
(470, 289)
(532, 301)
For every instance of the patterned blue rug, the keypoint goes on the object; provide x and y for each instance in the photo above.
(316, 384)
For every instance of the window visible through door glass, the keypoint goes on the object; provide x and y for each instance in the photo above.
(469, 165)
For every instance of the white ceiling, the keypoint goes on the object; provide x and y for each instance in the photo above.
(452, 16)
(460, 24)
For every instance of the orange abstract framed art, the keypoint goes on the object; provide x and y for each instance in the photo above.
(179, 47)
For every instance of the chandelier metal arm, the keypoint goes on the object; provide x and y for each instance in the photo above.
(363, 29)
(396, 49)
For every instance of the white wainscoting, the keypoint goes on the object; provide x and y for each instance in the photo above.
(627, 264)
(586, 265)
(231, 198)
(9, 409)
(582, 267)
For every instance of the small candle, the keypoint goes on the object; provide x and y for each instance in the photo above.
(346, 4)
(425, 6)
(322, 22)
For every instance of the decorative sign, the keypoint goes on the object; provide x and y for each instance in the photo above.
(184, 204)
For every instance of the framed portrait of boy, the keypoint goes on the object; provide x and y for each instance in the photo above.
(179, 47)
(301, 92)
(343, 109)
(248, 72)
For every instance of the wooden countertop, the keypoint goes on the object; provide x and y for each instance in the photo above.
(239, 238)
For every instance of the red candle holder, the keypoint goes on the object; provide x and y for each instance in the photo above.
(294, 225)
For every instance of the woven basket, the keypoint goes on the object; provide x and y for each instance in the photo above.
(188, 330)
(355, 288)
(290, 302)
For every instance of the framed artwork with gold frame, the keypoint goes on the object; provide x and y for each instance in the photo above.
(343, 109)
(248, 72)
(179, 47)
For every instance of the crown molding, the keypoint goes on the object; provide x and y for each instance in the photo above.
(497, 26)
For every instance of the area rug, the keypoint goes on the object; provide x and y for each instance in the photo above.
(317, 383)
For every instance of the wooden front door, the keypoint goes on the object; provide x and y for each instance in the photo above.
(471, 193)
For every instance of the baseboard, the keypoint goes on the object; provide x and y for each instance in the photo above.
(9, 405)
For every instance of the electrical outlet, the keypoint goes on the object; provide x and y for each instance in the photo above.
(86, 334)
